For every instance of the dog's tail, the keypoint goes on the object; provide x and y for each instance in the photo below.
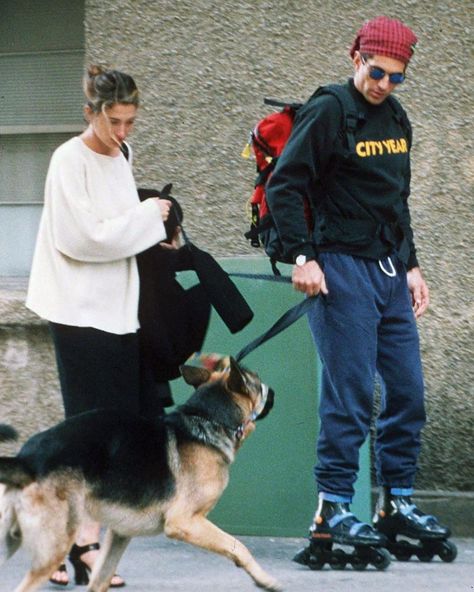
(13, 472)
(7, 433)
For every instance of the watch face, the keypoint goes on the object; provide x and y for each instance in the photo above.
(300, 260)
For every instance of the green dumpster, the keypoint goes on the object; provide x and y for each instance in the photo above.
(271, 490)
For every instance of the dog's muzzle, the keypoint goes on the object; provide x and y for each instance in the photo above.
(268, 396)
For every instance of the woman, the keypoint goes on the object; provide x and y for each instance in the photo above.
(84, 278)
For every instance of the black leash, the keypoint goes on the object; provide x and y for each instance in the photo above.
(287, 319)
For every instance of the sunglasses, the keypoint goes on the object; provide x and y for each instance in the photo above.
(377, 73)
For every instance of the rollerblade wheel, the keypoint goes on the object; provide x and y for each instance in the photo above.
(448, 551)
(381, 560)
(305, 557)
(338, 560)
(403, 551)
(302, 557)
(425, 556)
(318, 555)
(359, 564)
(315, 564)
(360, 557)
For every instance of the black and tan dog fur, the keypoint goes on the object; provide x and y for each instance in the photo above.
(134, 476)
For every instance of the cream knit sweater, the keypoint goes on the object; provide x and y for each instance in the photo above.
(84, 270)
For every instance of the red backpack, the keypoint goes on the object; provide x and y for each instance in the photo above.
(267, 140)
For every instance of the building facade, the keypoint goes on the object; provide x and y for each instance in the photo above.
(203, 68)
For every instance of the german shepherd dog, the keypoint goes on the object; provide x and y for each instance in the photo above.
(135, 476)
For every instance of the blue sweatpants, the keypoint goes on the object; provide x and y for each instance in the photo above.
(363, 327)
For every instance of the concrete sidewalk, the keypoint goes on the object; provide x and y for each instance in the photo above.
(161, 565)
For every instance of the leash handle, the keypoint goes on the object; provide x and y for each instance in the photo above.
(287, 319)
(262, 276)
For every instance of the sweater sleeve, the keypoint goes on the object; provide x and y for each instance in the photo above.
(301, 164)
(80, 233)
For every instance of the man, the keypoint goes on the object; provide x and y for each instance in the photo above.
(360, 258)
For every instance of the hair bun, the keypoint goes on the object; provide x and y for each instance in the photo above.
(94, 70)
(104, 87)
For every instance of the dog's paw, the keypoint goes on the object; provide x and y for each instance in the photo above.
(271, 584)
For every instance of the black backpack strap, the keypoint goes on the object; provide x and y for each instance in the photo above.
(401, 117)
(263, 175)
(350, 115)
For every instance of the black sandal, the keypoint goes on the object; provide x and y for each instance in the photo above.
(61, 568)
(81, 569)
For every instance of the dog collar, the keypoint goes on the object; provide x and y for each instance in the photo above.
(240, 431)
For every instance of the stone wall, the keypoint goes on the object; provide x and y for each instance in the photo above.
(203, 67)
(30, 398)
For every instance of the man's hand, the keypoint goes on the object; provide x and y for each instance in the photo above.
(419, 291)
(309, 279)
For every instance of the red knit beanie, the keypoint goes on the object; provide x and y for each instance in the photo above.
(387, 37)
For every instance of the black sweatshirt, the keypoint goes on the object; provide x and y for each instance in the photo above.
(359, 199)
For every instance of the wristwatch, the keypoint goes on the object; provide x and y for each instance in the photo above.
(300, 260)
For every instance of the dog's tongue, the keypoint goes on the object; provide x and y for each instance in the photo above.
(211, 362)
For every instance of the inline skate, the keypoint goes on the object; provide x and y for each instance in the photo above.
(335, 523)
(397, 516)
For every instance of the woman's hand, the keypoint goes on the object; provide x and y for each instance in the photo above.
(165, 207)
(175, 241)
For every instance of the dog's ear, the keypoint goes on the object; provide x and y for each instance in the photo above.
(236, 381)
(194, 376)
